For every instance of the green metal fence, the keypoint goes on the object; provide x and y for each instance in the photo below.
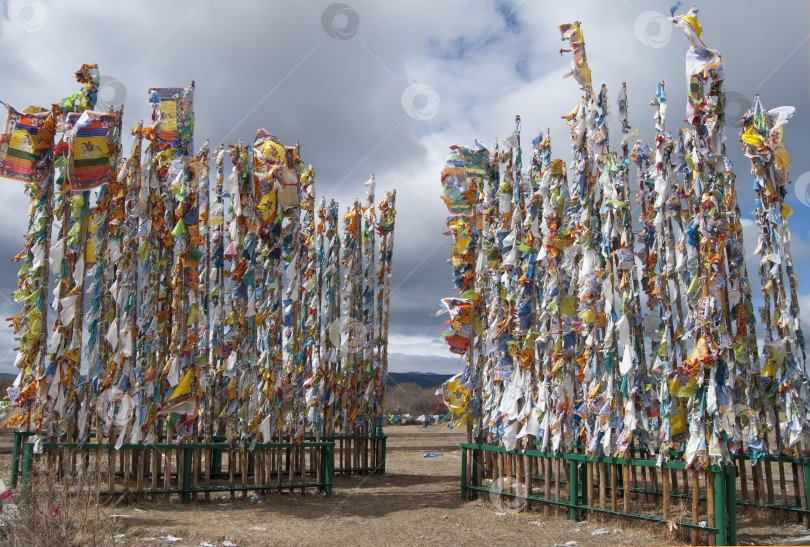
(359, 454)
(185, 469)
(579, 483)
(352, 454)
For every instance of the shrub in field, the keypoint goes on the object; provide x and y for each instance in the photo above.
(46, 513)
(409, 398)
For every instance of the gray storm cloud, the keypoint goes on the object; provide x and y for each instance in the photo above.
(337, 77)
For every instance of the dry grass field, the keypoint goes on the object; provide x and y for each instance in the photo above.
(416, 502)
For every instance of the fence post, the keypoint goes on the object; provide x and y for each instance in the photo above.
(327, 466)
(216, 462)
(731, 504)
(186, 486)
(721, 537)
(382, 461)
(584, 485)
(322, 466)
(330, 465)
(477, 456)
(572, 489)
(806, 500)
(15, 461)
(28, 460)
(463, 473)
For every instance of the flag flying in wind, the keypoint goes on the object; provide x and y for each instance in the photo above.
(92, 149)
(173, 117)
(28, 135)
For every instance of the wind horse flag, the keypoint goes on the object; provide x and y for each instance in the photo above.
(579, 65)
(92, 149)
(280, 181)
(173, 116)
(28, 135)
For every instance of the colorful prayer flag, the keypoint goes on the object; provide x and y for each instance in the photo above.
(173, 117)
(26, 138)
(92, 149)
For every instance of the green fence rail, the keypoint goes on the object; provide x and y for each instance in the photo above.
(346, 460)
(723, 493)
(369, 457)
(260, 479)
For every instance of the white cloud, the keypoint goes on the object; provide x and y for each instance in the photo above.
(417, 345)
(402, 362)
(804, 310)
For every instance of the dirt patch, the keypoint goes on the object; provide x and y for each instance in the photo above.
(417, 501)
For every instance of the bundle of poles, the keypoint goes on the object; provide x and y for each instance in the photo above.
(166, 302)
(603, 321)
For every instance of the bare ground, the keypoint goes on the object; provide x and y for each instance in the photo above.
(416, 502)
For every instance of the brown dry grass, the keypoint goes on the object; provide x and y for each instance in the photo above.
(46, 514)
(416, 502)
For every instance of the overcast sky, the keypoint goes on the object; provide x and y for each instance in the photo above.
(385, 88)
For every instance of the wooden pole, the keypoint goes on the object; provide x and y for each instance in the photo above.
(710, 504)
(666, 495)
(695, 504)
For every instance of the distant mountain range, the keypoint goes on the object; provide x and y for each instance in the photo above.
(422, 379)
(402, 362)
